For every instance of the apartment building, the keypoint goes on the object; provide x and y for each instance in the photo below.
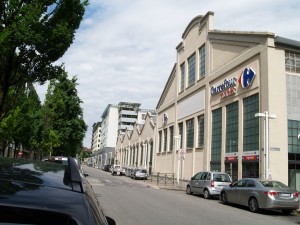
(115, 120)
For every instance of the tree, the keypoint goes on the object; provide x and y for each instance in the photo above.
(63, 122)
(33, 35)
(18, 125)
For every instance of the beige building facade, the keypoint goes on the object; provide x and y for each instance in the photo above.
(135, 147)
(213, 109)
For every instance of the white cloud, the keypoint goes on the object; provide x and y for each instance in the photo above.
(125, 49)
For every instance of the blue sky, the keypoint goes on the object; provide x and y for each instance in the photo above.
(125, 49)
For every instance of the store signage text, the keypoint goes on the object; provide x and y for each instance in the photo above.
(250, 155)
(229, 92)
(231, 156)
(227, 84)
(228, 87)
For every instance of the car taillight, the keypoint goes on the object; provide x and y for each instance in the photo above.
(296, 194)
(271, 193)
(212, 183)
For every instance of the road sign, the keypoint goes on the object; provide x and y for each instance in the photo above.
(181, 154)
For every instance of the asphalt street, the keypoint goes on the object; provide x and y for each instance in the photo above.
(131, 202)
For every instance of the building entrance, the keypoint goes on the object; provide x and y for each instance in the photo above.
(232, 169)
(251, 169)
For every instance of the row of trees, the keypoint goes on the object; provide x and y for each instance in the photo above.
(55, 127)
(33, 36)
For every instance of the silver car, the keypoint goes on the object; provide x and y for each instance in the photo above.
(139, 174)
(208, 183)
(261, 194)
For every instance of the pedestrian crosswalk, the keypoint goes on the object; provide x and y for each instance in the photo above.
(116, 183)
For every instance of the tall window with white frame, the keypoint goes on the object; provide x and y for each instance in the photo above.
(292, 62)
(142, 154)
(201, 131)
(202, 62)
(232, 125)
(192, 69)
(190, 133)
(165, 140)
(182, 77)
(180, 129)
(171, 136)
(250, 168)
(216, 140)
(232, 133)
(160, 141)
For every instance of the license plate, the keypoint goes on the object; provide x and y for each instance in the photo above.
(284, 195)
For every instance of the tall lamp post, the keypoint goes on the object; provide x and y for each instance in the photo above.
(266, 117)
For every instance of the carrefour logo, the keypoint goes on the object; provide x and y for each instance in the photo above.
(247, 77)
(228, 87)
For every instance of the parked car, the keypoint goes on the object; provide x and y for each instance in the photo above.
(36, 192)
(139, 174)
(116, 170)
(106, 167)
(56, 159)
(261, 194)
(208, 183)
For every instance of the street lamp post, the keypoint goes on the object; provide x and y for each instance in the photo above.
(177, 140)
(266, 117)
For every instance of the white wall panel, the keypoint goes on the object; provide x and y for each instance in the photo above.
(191, 105)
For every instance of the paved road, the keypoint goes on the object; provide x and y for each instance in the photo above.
(132, 202)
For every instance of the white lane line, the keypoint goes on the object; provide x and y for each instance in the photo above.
(108, 181)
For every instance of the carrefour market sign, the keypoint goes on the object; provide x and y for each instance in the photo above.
(228, 87)
(224, 86)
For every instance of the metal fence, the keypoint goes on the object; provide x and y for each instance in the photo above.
(163, 178)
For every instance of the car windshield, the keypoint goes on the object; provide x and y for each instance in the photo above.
(273, 184)
(221, 178)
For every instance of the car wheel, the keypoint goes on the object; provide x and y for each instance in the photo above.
(206, 194)
(253, 205)
(286, 211)
(224, 198)
(188, 190)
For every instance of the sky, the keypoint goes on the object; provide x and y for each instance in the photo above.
(124, 50)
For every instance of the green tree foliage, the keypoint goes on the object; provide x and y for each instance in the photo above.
(63, 124)
(33, 35)
(20, 123)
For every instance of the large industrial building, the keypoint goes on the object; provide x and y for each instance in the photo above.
(231, 104)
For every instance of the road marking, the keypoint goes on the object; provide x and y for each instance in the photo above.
(97, 184)
(108, 181)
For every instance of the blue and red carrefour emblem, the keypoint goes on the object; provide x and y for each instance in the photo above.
(247, 77)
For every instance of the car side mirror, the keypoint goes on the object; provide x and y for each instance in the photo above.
(230, 185)
(110, 221)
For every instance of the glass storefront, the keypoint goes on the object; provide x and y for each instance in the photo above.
(216, 140)
(294, 153)
(251, 137)
(232, 169)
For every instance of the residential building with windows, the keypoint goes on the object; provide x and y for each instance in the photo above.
(96, 136)
(128, 115)
(109, 126)
(220, 81)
